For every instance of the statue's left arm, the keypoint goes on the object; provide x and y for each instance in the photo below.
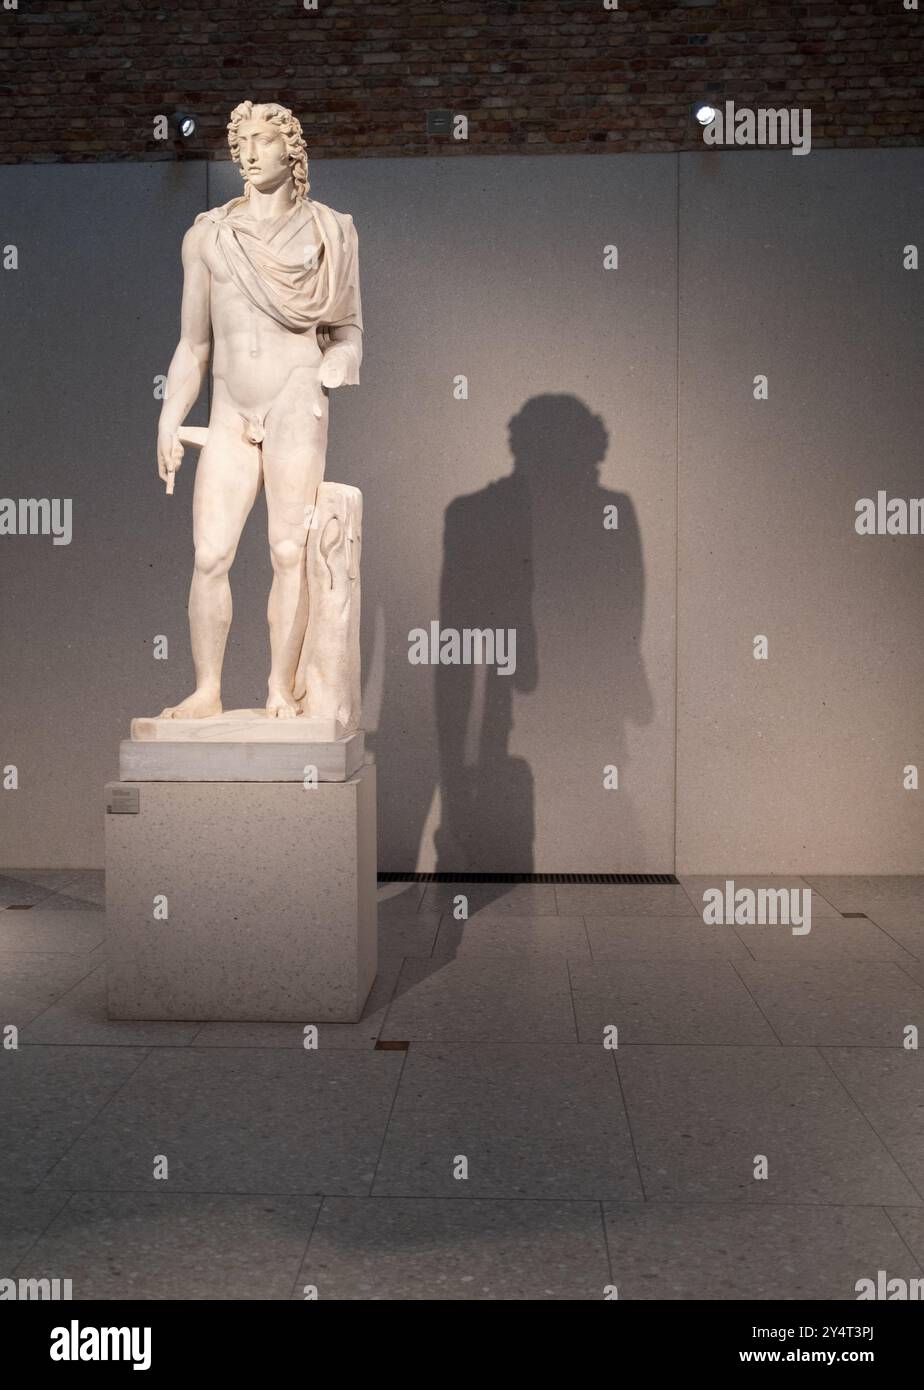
(343, 342)
(340, 366)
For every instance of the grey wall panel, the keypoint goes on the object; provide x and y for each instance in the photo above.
(792, 267)
(88, 320)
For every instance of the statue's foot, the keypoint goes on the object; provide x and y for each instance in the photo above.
(201, 704)
(281, 704)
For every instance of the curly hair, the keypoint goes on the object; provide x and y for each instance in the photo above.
(290, 128)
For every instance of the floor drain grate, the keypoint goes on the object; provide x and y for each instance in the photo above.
(464, 877)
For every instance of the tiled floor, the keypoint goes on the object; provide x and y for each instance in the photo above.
(509, 1150)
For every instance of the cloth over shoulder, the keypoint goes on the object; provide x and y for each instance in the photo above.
(303, 271)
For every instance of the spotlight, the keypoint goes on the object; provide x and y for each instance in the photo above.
(182, 125)
(704, 113)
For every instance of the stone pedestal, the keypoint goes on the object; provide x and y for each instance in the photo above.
(245, 900)
(156, 760)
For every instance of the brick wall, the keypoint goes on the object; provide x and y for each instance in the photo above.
(84, 79)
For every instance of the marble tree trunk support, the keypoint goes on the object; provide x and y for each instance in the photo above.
(328, 678)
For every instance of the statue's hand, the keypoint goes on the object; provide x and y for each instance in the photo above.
(333, 368)
(169, 456)
(339, 365)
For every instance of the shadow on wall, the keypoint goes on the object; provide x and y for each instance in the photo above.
(531, 553)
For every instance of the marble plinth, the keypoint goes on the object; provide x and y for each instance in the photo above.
(241, 900)
(237, 726)
(154, 760)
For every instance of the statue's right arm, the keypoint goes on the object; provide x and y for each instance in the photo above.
(190, 362)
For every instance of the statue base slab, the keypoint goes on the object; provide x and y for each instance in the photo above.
(156, 760)
(237, 726)
(241, 900)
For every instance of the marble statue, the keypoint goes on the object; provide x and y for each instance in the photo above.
(272, 278)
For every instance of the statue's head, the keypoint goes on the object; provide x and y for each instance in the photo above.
(267, 144)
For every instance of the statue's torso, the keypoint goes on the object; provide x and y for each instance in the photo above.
(253, 354)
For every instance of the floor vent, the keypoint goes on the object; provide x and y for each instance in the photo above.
(464, 877)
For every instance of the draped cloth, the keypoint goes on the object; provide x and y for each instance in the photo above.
(302, 270)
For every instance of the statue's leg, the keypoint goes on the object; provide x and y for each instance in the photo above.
(228, 479)
(294, 451)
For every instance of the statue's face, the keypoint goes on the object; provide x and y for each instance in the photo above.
(264, 162)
